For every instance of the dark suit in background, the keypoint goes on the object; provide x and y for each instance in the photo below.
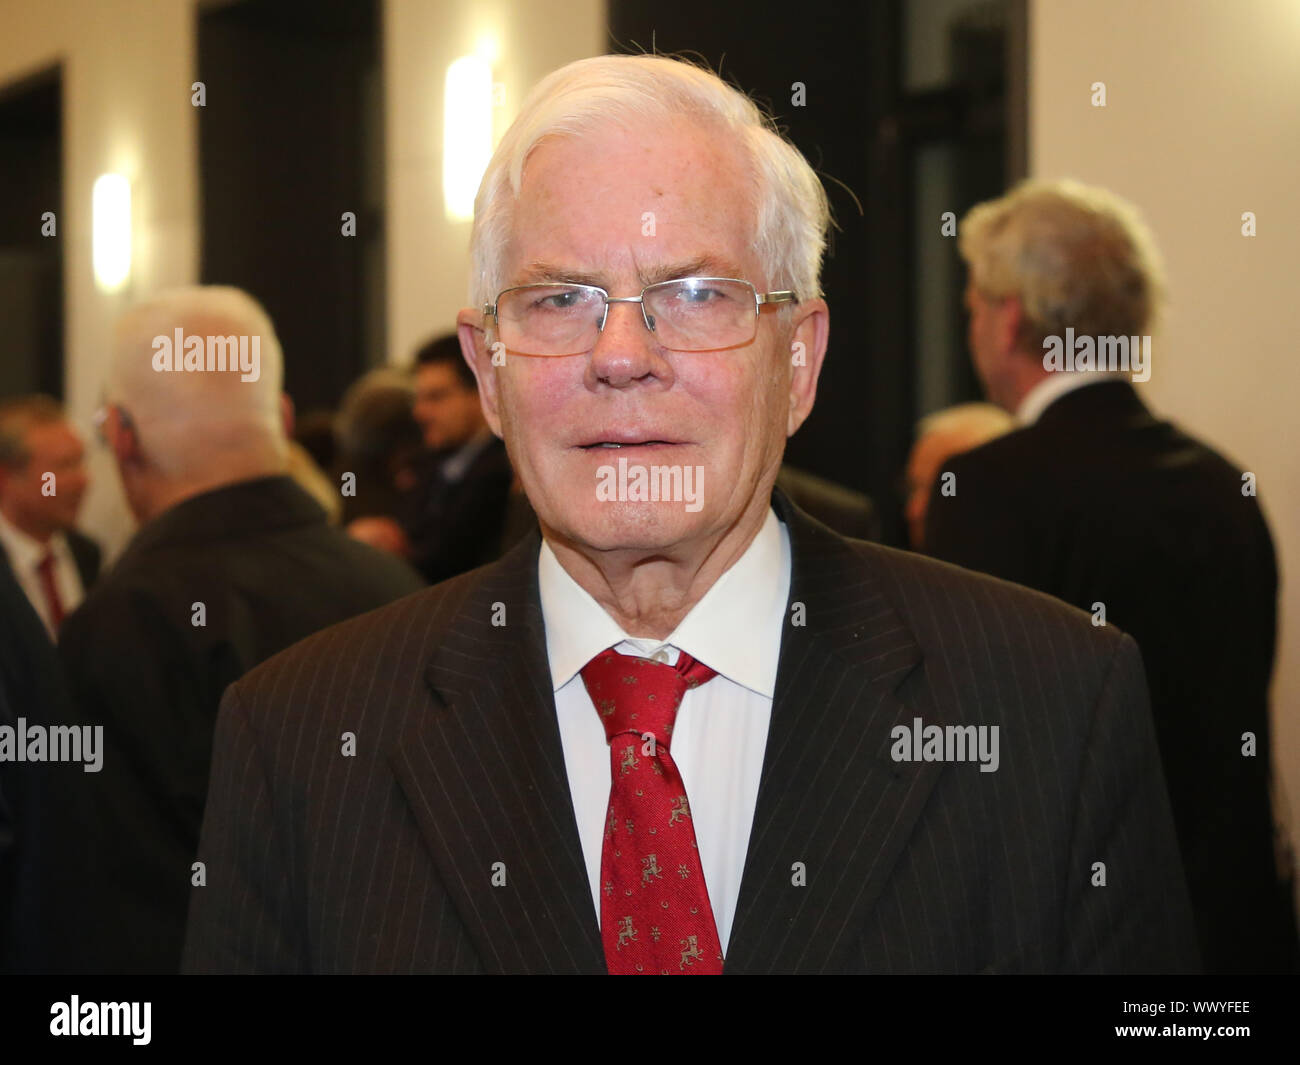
(268, 571)
(1101, 502)
(458, 522)
(850, 513)
(31, 687)
(85, 553)
(383, 862)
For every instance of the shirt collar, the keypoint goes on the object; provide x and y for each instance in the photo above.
(1053, 387)
(735, 628)
(25, 552)
(458, 463)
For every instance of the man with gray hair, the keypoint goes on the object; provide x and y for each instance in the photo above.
(682, 726)
(1095, 500)
(232, 563)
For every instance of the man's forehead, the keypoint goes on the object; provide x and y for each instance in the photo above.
(662, 158)
(649, 269)
(436, 377)
(52, 438)
(57, 429)
(617, 205)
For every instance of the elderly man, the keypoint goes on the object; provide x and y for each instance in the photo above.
(1097, 501)
(686, 728)
(42, 482)
(232, 563)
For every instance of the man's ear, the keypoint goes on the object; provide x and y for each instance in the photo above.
(122, 440)
(286, 414)
(1010, 317)
(807, 352)
(474, 347)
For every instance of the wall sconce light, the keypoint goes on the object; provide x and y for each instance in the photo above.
(111, 221)
(466, 134)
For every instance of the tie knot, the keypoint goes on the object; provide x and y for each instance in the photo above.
(637, 695)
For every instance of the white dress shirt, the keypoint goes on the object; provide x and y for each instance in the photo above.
(1053, 387)
(721, 729)
(25, 554)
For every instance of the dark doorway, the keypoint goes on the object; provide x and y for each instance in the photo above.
(290, 140)
(907, 106)
(31, 236)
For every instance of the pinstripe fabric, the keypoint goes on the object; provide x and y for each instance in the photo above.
(383, 861)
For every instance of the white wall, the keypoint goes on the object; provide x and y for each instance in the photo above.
(428, 256)
(1201, 123)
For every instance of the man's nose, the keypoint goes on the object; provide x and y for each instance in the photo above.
(626, 351)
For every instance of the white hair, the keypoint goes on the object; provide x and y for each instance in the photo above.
(1075, 256)
(627, 91)
(191, 421)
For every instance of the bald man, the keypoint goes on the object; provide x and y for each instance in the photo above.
(233, 562)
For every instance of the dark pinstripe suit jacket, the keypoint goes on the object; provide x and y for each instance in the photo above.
(383, 860)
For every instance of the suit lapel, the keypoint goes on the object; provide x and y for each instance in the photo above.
(481, 764)
(833, 807)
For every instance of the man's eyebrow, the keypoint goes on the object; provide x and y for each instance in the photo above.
(701, 266)
(538, 271)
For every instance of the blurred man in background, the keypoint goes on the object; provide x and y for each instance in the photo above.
(940, 436)
(233, 562)
(459, 512)
(1098, 502)
(42, 482)
(376, 465)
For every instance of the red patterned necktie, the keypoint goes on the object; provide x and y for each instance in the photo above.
(45, 568)
(655, 915)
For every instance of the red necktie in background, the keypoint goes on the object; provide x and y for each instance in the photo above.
(655, 915)
(46, 570)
